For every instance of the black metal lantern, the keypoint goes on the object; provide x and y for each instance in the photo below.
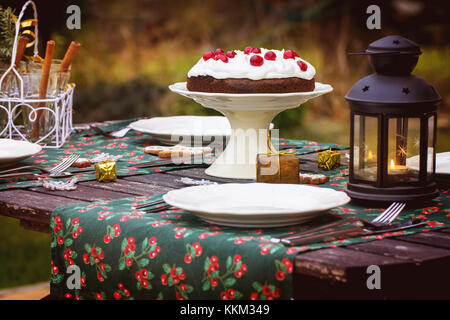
(393, 127)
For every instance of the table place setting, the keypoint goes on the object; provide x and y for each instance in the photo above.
(163, 227)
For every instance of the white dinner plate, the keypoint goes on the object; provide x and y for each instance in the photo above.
(185, 130)
(12, 151)
(442, 163)
(255, 205)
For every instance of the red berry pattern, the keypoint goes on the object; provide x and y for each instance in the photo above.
(174, 276)
(192, 251)
(225, 276)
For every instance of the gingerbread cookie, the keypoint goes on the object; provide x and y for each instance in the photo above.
(177, 151)
(313, 178)
(82, 163)
(154, 149)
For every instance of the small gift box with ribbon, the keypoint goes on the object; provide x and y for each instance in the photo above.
(277, 168)
(106, 171)
(328, 159)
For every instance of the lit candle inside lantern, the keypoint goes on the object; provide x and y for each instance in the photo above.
(397, 169)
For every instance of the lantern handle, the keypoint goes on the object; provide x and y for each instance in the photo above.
(370, 53)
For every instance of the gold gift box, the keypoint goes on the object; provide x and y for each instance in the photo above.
(106, 171)
(328, 159)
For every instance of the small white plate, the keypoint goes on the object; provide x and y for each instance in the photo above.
(442, 163)
(12, 151)
(190, 129)
(253, 205)
(169, 130)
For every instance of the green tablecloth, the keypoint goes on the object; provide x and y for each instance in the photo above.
(131, 147)
(125, 254)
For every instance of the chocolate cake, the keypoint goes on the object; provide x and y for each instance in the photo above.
(254, 70)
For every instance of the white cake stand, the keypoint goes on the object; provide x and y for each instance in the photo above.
(250, 116)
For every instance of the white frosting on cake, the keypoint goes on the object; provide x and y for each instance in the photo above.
(240, 67)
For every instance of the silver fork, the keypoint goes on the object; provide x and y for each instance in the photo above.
(384, 219)
(63, 165)
(388, 215)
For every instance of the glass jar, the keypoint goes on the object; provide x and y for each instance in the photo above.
(57, 80)
(36, 123)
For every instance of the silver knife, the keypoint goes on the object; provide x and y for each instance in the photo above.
(352, 231)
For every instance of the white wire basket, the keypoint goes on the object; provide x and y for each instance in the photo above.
(13, 106)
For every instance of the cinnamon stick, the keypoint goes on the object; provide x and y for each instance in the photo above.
(69, 56)
(21, 46)
(43, 85)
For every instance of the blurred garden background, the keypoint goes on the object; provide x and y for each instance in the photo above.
(132, 50)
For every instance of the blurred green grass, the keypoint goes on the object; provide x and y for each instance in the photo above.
(24, 255)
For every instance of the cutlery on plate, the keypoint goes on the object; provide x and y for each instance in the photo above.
(382, 220)
(352, 231)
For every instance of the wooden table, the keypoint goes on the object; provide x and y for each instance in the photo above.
(413, 266)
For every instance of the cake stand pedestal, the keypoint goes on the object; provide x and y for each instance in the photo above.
(250, 116)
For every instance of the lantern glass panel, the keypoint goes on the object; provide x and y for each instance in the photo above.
(430, 149)
(365, 146)
(403, 143)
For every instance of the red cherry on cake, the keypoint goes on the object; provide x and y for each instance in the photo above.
(208, 55)
(219, 51)
(248, 50)
(303, 66)
(256, 50)
(231, 54)
(222, 57)
(270, 55)
(290, 54)
(256, 61)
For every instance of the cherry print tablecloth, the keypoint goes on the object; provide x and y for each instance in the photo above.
(126, 254)
(131, 147)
